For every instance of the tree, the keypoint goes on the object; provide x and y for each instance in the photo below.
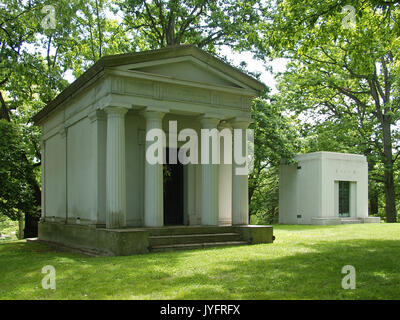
(15, 76)
(349, 74)
(275, 138)
(18, 190)
(205, 23)
(33, 61)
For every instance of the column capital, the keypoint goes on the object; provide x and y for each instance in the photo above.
(241, 123)
(63, 131)
(151, 114)
(113, 110)
(97, 115)
(209, 120)
(224, 125)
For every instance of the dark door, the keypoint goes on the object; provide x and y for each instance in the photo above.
(173, 192)
(344, 199)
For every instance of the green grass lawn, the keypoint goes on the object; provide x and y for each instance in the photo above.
(8, 228)
(304, 262)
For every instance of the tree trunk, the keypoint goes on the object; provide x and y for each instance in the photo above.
(390, 196)
(4, 112)
(373, 194)
(170, 32)
(21, 226)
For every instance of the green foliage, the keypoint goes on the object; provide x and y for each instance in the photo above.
(206, 24)
(16, 193)
(8, 229)
(341, 82)
(33, 63)
(264, 204)
(275, 138)
(28, 79)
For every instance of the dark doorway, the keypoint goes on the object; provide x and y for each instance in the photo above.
(344, 199)
(173, 192)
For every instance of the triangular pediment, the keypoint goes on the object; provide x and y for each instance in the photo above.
(186, 69)
(181, 63)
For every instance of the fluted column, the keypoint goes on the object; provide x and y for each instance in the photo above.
(225, 174)
(209, 174)
(240, 185)
(115, 168)
(43, 159)
(153, 184)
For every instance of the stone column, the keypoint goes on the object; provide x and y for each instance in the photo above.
(63, 132)
(225, 174)
(115, 168)
(209, 173)
(98, 120)
(153, 178)
(43, 161)
(240, 189)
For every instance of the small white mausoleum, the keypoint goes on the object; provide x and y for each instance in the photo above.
(324, 188)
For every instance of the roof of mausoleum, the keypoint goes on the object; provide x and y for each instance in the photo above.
(330, 155)
(147, 57)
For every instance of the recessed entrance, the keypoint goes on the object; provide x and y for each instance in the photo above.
(344, 199)
(173, 192)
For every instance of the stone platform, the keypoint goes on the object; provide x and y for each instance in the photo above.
(338, 220)
(127, 241)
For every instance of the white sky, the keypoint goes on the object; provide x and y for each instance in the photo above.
(257, 66)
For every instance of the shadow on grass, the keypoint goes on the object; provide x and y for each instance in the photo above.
(314, 274)
(305, 227)
(307, 271)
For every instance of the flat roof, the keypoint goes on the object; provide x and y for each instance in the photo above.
(330, 155)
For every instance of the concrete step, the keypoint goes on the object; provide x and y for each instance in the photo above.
(350, 220)
(191, 246)
(189, 230)
(193, 238)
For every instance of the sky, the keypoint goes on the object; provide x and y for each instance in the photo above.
(258, 66)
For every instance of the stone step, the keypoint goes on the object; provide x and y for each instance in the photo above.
(193, 238)
(351, 221)
(189, 230)
(191, 246)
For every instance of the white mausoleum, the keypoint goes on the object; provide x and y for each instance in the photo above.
(94, 170)
(324, 188)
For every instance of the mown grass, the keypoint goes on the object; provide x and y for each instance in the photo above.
(8, 228)
(304, 262)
